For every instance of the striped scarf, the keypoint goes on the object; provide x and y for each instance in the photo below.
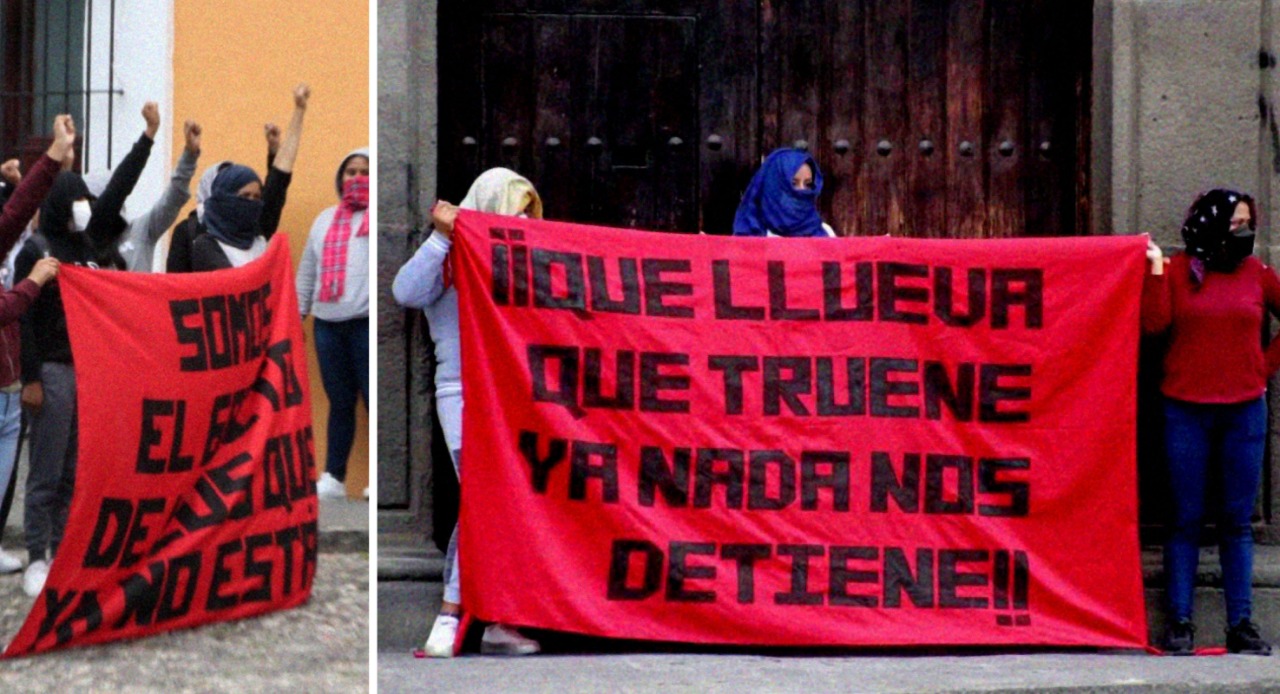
(333, 262)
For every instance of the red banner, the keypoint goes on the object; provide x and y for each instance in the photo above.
(867, 441)
(195, 495)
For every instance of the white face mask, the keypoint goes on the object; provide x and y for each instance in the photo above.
(80, 213)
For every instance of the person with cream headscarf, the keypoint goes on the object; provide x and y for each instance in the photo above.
(421, 284)
(782, 198)
(333, 284)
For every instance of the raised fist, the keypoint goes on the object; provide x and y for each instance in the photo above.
(191, 130)
(64, 138)
(11, 172)
(300, 95)
(272, 131)
(151, 114)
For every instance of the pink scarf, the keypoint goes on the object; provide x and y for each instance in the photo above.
(333, 263)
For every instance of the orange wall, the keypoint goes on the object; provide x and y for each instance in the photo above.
(234, 68)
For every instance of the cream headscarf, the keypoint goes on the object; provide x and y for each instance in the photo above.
(503, 191)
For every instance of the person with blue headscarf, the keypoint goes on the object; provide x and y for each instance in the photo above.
(782, 198)
(231, 213)
(241, 213)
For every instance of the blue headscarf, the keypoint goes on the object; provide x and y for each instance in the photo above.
(228, 217)
(772, 204)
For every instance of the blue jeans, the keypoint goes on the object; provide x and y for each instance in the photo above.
(342, 348)
(1227, 441)
(10, 428)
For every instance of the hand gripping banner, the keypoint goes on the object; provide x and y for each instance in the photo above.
(827, 442)
(194, 494)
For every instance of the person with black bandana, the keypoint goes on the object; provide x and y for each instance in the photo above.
(1211, 303)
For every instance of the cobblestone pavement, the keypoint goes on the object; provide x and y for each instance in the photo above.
(322, 646)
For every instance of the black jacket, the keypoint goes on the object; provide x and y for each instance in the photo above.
(44, 327)
(186, 255)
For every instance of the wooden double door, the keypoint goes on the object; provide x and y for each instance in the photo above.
(952, 118)
(935, 118)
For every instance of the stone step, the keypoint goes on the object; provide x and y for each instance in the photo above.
(409, 593)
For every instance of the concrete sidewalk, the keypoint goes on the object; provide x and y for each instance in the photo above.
(409, 594)
(741, 674)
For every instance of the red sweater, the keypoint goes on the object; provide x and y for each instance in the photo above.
(19, 210)
(1215, 335)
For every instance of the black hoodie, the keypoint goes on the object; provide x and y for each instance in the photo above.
(44, 327)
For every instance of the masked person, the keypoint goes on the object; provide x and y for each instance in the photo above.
(1211, 303)
(421, 284)
(138, 247)
(333, 285)
(25, 197)
(81, 229)
(225, 238)
(782, 198)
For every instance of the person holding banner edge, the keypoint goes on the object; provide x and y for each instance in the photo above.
(1211, 303)
(423, 283)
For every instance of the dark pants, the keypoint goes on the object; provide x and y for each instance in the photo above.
(342, 348)
(1225, 441)
(51, 477)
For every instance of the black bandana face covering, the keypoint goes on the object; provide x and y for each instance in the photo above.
(1208, 235)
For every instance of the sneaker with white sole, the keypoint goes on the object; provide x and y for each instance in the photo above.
(9, 563)
(444, 632)
(33, 579)
(500, 639)
(328, 487)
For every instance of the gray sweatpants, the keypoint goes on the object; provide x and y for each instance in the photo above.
(449, 408)
(51, 479)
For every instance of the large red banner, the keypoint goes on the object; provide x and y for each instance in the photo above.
(195, 495)
(868, 441)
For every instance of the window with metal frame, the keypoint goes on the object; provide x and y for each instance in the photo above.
(46, 68)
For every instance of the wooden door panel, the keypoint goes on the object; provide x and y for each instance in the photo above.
(929, 118)
(966, 58)
(1004, 139)
(461, 100)
(554, 136)
(727, 146)
(925, 145)
(845, 198)
(659, 8)
(510, 107)
(886, 117)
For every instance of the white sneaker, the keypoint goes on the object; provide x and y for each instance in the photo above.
(500, 639)
(33, 579)
(366, 492)
(444, 632)
(328, 487)
(9, 563)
